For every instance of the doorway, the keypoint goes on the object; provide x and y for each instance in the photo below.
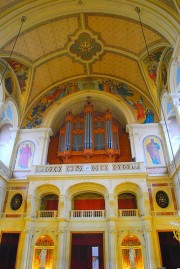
(170, 249)
(87, 251)
(8, 250)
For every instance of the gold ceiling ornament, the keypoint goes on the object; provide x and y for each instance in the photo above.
(85, 47)
(176, 229)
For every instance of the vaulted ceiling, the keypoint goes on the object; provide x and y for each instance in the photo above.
(63, 42)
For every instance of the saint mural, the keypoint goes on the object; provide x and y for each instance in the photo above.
(24, 156)
(154, 152)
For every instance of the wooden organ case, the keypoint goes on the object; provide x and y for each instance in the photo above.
(89, 137)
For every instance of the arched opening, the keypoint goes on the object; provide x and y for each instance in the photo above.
(48, 206)
(92, 132)
(88, 205)
(127, 204)
(43, 253)
(131, 253)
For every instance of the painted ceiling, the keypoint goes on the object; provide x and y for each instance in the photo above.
(88, 45)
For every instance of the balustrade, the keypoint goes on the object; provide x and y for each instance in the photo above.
(128, 212)
(87, 213)
(47, 213)
(102, 168)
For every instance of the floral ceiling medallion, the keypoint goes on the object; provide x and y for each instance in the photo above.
(85, 47)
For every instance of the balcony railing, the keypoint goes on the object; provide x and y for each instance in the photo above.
(74, 214)
(47, 213)
(96, 168)
(128, 212)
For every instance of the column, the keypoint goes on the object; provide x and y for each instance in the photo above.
(48, 133)
(167, 139)
(112, 248)
(61, 206)
(135, 131)
(131, 137)
(149, 242)
(176, 102)
(66, 250)
(145, 204)
(61, 261)
(25, 246)
(113, 208)
(14, 134)
(177, 189)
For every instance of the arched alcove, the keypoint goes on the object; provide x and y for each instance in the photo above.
(47, 201)
(87, 200)
(128, 202)
(108, 144)
(131, 253)
(43, 252)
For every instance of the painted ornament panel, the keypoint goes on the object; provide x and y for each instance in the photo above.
(141, 107)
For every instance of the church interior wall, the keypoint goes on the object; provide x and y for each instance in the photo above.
(124, 203)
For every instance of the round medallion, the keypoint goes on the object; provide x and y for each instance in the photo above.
(162, 199)
(16, 201)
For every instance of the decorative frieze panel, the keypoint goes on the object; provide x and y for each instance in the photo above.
(89, 168)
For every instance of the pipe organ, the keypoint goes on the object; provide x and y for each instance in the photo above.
(90, 134)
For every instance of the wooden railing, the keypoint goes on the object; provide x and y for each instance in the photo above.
(128, 212)
(47, 213)
(87, 213)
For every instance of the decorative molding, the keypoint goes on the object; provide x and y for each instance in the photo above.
(98, 168)
(85, 47)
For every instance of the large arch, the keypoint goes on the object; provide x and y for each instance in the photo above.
(119, 108)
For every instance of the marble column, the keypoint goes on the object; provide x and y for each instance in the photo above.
(112, 248)
(61, 260)
(25, 246)
(149, 242)
(176, 103)
(113, 208)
